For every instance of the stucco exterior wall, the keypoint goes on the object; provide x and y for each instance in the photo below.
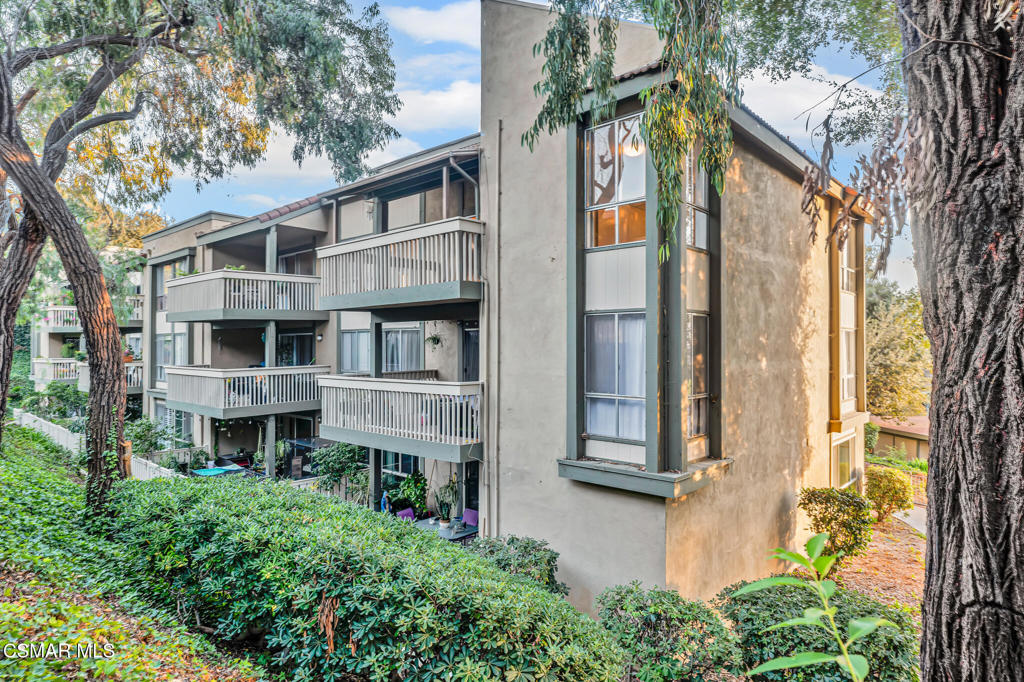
(604, 536)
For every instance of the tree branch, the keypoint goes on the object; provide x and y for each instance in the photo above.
(103, 119)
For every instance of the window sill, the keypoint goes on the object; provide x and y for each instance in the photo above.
(667, 484)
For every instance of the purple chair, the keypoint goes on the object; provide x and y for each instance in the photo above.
(470, 517)
(406, 514)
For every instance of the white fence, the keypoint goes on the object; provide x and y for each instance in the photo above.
(445, 251)
(144, 470)
(239, 290)
(445, 412)
(75, 442)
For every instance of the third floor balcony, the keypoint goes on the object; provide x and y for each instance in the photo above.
(439, 262)
(224, 295)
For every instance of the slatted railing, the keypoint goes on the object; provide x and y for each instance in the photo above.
(434, 253)
(243, 388)
(55, 369)
(132, 370)
(135, 304)
(445, 412)
(415, 374)
(240, 290)
(62, 316)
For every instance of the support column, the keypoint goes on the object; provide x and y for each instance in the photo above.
(270, 344)
(206, 436)
(271, 260)
(376, 349)
(376, 487)
(268, 447)
(460, 476)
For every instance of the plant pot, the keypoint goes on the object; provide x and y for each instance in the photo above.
(445, 523)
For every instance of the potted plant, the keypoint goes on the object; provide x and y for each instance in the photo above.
(447, 498)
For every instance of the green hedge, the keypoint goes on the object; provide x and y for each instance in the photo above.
(893, 652)
(279, 566)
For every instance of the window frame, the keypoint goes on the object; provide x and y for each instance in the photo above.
(400, 460)
(617, 397)
(848, 442)
(703, 397)
(402, 332)
(616, 202)
(848, 273)
(847, 365)
(359, 334)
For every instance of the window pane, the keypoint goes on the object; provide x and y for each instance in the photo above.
(632, 222)
(697, 420)
(601, 164)
(601, 416)
(601, 227)
(843, 462)
(632, 419)
(631, 160)
(632, 377)
(700, 184)
(699, 353)
(600, 354)
(697, 232)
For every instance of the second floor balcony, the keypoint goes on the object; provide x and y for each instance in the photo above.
(224, 295)
(436, 419)
(438, 262)
(62, 318)
(248, 392)
(45, 370)
(133, 377)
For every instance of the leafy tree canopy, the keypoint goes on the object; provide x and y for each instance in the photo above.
(898, 353)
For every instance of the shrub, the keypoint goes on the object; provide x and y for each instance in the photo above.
(147, 436)
(911, 466)
(327, 586)
(666, 637)
(892, 651)
(523, 556)
(413, 489)
(21, 387)
(889, 491)
(870, 436)
(337, 463)
(843, 514)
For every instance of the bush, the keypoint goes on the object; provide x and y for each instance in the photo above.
(147, 436)
(889, 491)
(337, 464)
(870, 436)
(21, 387)
(843, 514)
(911, 466)
(413, 489)
(892, 651)
(326, 586)
(666, 637)
(523, 556)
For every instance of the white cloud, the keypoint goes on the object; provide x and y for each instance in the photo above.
(446, 66)
(396, 149)
(279, 165)
(456, 22)
(456, 106)
(260, 200)
(781, 103)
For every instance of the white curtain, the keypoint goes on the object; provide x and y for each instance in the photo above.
(632, 350)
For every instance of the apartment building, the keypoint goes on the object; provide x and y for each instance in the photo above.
(482, 310)
(58, 347)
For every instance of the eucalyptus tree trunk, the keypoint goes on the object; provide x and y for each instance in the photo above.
(968, 254)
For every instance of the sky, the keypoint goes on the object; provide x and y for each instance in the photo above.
(436, 48)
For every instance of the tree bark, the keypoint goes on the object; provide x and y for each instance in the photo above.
(968, 253)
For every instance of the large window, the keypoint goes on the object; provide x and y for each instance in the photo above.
(164, 274)
(842, 464)
(848, 364)
(699, 381)
(397, 464)
(616, 166)
(294, 349)
(170, 351)
(403, 350)
(848, 266)
(616, 378)
(696, 210)
(355, 351)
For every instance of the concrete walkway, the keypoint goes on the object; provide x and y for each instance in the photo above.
(916, 518)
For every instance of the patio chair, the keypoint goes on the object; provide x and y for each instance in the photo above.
(407, 514)
(470, 517)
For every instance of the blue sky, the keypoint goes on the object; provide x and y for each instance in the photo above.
(437, 55)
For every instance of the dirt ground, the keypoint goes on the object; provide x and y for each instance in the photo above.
(892, 569)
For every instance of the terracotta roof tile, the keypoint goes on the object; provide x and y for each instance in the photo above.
(289, 208)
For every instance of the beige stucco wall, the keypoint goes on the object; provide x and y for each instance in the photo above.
(604, 536)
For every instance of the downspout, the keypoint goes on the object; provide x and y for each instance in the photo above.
(496, 290)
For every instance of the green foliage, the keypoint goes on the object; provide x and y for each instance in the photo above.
(911, 466)
(335, 587)
(523, 556)
(889, 490)
(897, 352)
(843, 515)
(666, 637)
(689, 104)
(870, 436)
(59, 401)
(338, 463)
(19, 389)
(147, 435)
(413, 489)
(447, 498)
(789, 626)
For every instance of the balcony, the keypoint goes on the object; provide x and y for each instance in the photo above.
(133, 377)
(45, 370)
(436, 419)
(135, 304)
(62, 318)
(251, 392)
(421, 265)
(224, 295)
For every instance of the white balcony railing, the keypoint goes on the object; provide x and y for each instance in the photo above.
(434, 253)
(236, 389)
(62, 316)
(135, 304)
(132, 370)
(443, 412)
(263, 292)
(45, 370)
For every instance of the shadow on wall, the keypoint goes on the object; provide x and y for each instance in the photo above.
(775, 388)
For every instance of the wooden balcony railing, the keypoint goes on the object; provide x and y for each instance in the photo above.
(227, 393)
(62, 316)
(234, 294)
(133, 376)
(438, 261)
(439, 419)
(45, 370)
